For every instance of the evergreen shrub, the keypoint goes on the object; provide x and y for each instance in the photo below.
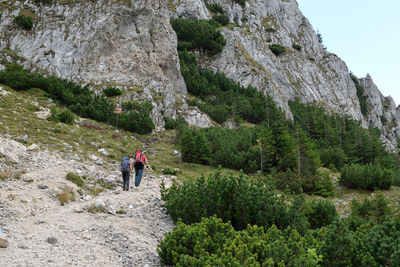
(24, 22)
(170, 124)
(234, 199)
(64, 116)
(112, 91)
(198, 34)
(369, 177)
(322, 213)
(297, 47)
(277, 49)
(216, 8)
(44, 1)
(221, 19)
(377, 208)
(212, 242)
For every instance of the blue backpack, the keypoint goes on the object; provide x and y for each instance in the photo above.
(125, 164)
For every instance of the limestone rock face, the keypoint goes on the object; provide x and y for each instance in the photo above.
(382, 113)
(305, 70)
(128, 44)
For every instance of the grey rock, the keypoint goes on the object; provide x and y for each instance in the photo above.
(42, 186)
(33, 147)
(22, 245)
(100, 161)
(99, 204)
(52, 240)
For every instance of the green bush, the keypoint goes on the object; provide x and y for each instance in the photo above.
(221, 19)
(170, 124)
(234, 199)
(318, 184)
(112, 91)
(369, 177)
(216, 8)
(332, 156)
(64, 116)
(361, 95)
(198, 34)
(297, 47)
(24, 22)
(44, 1)
(277, 49)
(322, 213)
(377, 208)
(240, 2)
(214, 243)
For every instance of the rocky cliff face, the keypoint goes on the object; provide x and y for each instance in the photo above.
(103, 43)
(131, 44)
(309, 72)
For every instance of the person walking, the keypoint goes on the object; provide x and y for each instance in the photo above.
(138, 164)
(126, 172)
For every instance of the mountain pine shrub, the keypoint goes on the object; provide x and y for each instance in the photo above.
(198, 34)
(212, 242)
(369, 177)
(216, 8)
(234, 199)
(277, 49)
(112, 91)
(322, 213)
(24, 22)
(297, 47)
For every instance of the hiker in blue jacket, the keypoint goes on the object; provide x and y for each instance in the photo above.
(126, 172)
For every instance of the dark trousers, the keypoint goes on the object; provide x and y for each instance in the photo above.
(125, 176)
(138, 173)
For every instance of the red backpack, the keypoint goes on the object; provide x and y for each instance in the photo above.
(139, 156)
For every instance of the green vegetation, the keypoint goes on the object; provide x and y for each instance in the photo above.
(76, 179)
(64, 116)
(277, 49)
(80, 100)
(242, 224)
(369, 177)
(360, 94)
(297, 47)
(24, 22)
(216, 8)
(198, 34)
(112, 91)
(212, 242)
(220, 20)
(234, 199)
(44, 1)
(240, 2)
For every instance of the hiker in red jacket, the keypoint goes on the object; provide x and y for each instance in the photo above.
(139, 162)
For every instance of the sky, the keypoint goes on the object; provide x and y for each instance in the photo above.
(363, 33)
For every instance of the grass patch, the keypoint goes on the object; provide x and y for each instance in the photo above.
(63, 197)
(93, 209)
(4, 174)
(121, 212)
(76, 179)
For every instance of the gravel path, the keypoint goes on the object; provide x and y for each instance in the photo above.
(41, 232)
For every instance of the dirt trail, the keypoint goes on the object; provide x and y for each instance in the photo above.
(41, 232)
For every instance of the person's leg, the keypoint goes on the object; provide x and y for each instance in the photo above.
(126, 176)
(123, 180)
(138, 177)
